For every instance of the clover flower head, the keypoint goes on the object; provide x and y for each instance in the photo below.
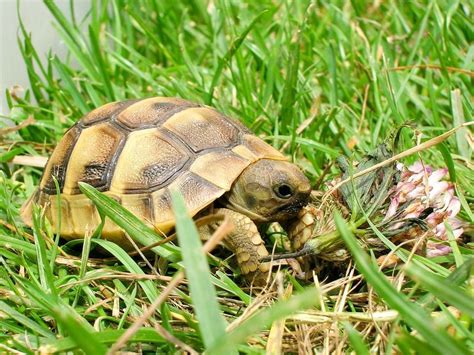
(420, 189)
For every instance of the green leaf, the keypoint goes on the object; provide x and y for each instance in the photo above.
(6, 157)
(356, 340)
(441, 288)
(81, 334)
(465, 204)
(411, 344)
(126, 220)
(203, 293)
(148, 286)
(107, 337)
(457, 277)
(22, 319)
(16, 244)
(458, 119)
(44, 268)
(228, 284)
(448, 160)
(453, 243)
(264, 318)
(462, 273)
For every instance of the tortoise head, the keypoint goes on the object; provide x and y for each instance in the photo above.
(269, 190)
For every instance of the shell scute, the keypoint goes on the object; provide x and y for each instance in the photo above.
(58, 161)
(219, 167)
(261, 149)
(105, 112)
(162, 209)
(150, 112)
(85, 217)
(147, 161)
(66, 221)
(197, 192)
(140, 205)
(203, 128)
(93, 157)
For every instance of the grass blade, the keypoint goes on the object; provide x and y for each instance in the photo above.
(107, 337)
(81, 334)
(446, 291)
(264, 318)
(412, 314)
(77, 327)
(96, 51)
(356, 340)
(22, 319)
(148, 286)
(70, 86)
(457, 277)
(203, 293)
(126, 220)
(409, 344)
(44, 268)
(458, 119)
(26, 248)
(234, 46)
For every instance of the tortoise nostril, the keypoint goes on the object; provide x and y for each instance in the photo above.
(305, 188)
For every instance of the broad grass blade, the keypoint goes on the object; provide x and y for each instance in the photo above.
(128, 222)
(203, 293)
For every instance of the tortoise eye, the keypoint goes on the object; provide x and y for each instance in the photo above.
(283, 191)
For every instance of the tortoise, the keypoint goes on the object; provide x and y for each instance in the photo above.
(137, 151)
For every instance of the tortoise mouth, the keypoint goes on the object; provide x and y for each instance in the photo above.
(292, 207)
(289, 210)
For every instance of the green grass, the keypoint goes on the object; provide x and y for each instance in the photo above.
(355, 69)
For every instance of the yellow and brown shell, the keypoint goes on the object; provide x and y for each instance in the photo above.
(137, 151)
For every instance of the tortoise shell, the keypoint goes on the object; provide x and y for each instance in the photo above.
(137, 151)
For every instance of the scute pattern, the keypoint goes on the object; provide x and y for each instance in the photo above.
(105, 112)
(93, 157)
(66, 216)
(137, 152)
(151, 112)
(162, 209)
(141, 206)
(148, 160)
(261, 149)
(197, 192)
(219, 167)
(203, 128)
(85, 216)
(58, 161)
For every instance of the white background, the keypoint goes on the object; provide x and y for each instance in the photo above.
(38, 21)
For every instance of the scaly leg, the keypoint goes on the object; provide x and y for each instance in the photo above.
(247, 245)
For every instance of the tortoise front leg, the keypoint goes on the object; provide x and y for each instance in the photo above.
(247, 245)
